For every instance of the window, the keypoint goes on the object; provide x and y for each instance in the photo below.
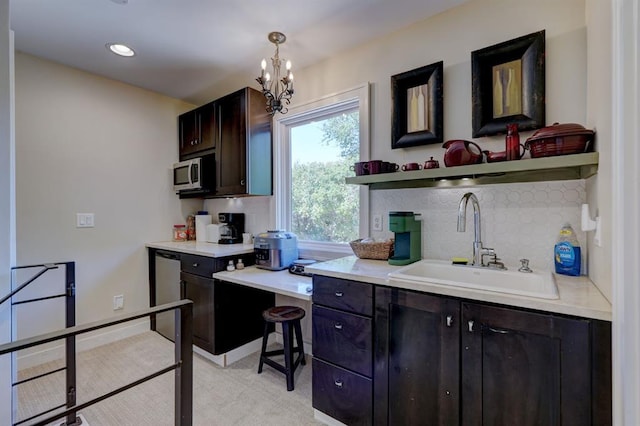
(316, 144)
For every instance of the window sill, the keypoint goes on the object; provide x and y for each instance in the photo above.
(323, 251)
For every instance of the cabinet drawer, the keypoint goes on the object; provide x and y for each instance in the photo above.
(341, 394)
(198, 265)
(347, 295)
(343, 339)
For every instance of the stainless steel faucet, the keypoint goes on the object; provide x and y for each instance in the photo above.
(478, 250)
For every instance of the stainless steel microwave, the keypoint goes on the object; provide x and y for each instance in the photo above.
(195, 177)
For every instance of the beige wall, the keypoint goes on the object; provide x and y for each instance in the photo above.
(88, 144)
(476, 24)
(7, 224)
(599, 105)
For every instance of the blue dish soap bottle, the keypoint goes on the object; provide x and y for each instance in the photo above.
(567, 252)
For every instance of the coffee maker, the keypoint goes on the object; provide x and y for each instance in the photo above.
(407, 243)
(231, 227)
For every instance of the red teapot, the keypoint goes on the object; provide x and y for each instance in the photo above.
(460, 152)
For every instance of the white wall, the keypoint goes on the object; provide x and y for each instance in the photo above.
(7, 201)
(88, 144)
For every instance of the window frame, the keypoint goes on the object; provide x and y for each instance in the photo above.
(301, 114)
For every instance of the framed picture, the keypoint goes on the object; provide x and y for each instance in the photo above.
(507, 84)
(416, 107)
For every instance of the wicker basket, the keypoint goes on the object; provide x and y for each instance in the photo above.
(381, 250)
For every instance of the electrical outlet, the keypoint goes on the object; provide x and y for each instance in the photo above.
(377, 222)
(84, 220)
(118, 302)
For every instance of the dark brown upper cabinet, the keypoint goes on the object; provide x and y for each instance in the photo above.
(237, 129)
(243, 152)
(197, 131)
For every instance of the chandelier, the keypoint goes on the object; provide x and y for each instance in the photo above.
(275, 89)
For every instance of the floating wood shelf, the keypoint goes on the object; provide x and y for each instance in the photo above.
(564, 167)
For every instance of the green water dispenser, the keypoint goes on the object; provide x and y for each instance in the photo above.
(407, 245)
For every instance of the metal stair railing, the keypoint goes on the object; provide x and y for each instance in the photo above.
(183, 361)
(70, 321)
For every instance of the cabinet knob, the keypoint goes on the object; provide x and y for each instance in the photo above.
(470, 326)
(338, 326)
(449, 320)
(242, 182)
(339, 294)
(338, 383)
(195, 265)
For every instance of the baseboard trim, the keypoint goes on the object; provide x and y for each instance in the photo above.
(228, 358)
(327, 420)
(308, 349)
(90, 341)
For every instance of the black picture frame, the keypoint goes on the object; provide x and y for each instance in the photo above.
(416, 107)
(508, 85)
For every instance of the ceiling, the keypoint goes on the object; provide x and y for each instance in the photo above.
(185, 47)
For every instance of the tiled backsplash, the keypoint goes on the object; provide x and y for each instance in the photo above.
(518, 220)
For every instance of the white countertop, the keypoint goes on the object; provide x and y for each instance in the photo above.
(203, 248)
(578, 295)
(280, 282)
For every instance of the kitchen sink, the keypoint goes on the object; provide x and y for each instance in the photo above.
(439, 272)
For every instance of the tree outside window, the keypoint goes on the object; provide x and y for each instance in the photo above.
(323, 207)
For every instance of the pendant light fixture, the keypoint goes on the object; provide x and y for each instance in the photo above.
(276, 89)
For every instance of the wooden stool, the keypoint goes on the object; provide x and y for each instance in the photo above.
(288, 316)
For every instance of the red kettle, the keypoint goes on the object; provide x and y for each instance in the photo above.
(460, 152)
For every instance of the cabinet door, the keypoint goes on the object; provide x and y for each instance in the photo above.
(187, 132)
(231, 149)
(522, 368)
(197, 130)
(417, 353)
(201, 291)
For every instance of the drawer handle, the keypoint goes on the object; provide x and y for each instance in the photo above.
(338, 326)
(449, 320)
(339, 294)
(495, 330)
(195, 265)
(338, 383)
(471, 326)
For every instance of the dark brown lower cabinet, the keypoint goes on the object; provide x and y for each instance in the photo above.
(417, 359)
(524, 368)
(442, 361)
(225, 315)
(341, 394)
(343, 349)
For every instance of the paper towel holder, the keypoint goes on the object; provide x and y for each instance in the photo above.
(589, 224)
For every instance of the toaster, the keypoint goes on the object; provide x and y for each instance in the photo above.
(275, 250)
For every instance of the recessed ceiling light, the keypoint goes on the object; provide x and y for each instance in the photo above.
(120, 49)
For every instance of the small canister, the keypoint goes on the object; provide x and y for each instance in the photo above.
(179, 233)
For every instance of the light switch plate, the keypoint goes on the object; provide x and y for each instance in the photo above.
(84, 220)
(118, 302)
